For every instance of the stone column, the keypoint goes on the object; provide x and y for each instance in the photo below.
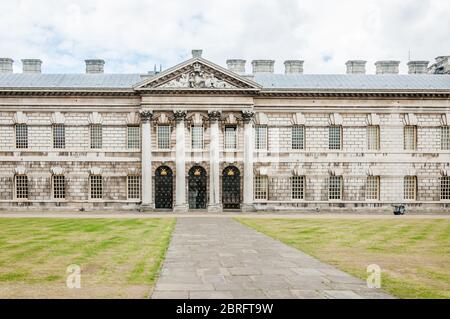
(214, 159)
(146, 159)
(180, 159)
(247, 205)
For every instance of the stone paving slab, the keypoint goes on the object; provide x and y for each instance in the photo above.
(221, 258)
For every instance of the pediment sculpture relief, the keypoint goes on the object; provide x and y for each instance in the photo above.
(197, 78)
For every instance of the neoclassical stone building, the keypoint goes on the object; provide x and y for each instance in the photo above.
(199, 136)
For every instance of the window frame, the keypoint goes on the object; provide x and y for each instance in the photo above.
(369, 180)
(194, 142)
(59, 138)
(27, 190)
(445, 138)
(302, 139)
(258, 144)
(17, 136)
(414, 132)
(257, 191)
(330, 136)
(296, 191)
(406, 190)
(444, 193)
(133, 139)
(137, 190)
(341, 188)
(225, 140)
(101, 185)
(64, 190)
(159, 140)
(377, 137)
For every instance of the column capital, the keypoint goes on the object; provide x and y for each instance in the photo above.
(146, 115)
(214, 115)
(179, 115)
(247, 116)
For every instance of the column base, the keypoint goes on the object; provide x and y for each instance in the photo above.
(147, 207)
(215, 208)
(248, 208)
(181, 208)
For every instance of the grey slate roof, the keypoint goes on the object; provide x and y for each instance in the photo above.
(353, 81)
(268, 81)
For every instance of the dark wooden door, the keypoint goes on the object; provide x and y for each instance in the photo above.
(197, 188)
(231, 188)
(163, 187)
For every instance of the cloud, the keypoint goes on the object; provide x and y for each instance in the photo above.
(134, 35)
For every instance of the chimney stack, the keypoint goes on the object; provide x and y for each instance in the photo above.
(197, 53)
(94, 66)
(387, 67)
(293, 67)
(418, 67)
(263, 66)
(356, 67)
(31, 66)
(6, 65)
(236, 66)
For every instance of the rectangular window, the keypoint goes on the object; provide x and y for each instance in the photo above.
(373, 188)
(96, 183)
(261, 137)
(21, 136)
(445, 138)
(445, 188)
(134, 187)
(59, 136)
(373, 137)
(133, 136)
(96, 131)
(21, 186)
(335, 187)
(410, 188)
(410, 137)
(163, 134)
(335, 137)
(261, 186)
(197, 137)
(298, 137)
(230, 138)
(59, 187)
(298, 187)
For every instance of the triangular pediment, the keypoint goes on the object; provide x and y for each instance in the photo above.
(197, 74)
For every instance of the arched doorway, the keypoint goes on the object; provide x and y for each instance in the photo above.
(197, 188)
(231, 188)
(163, 187)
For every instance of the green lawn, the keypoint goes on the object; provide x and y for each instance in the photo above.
(414, 254)
(119, 258)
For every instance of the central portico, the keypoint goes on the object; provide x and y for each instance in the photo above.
(197, 128)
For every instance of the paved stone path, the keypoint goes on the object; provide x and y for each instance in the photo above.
(221, 258)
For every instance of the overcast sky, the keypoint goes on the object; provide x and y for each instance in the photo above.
(133, 35)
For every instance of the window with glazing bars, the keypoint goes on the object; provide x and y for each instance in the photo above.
(373, 137)
(21, 136)
(230, 137)
(163, 134)
(445, 138)
(96, 132)
(133, 136)
(59, 186)
(373, 188)
(261, 137)
(445, 187)
(134, 187)
(298, 137)
(197, 137)
(410, 188)
(298, 187)
(335, 137)
(59, 136)
(96, 183)
(335, 187)
(21, 186)
(410, 137)
(261, 186)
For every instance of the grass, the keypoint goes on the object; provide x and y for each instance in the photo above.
(414, 255)
(119, 258)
